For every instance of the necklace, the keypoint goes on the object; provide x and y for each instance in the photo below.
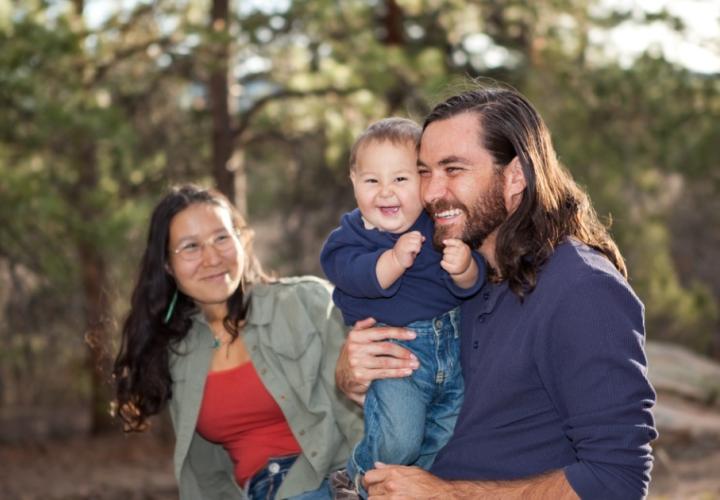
(217, 342)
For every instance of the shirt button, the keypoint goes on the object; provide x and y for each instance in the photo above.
(313, 454)
(253, 348)
(486, 296)
(476, 344)
(302, 432)
(481, 319)
(263, 371)
(282, 396)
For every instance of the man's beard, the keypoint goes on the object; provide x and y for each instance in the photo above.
(486, 215)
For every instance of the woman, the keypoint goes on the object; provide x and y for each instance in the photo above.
(246, 363)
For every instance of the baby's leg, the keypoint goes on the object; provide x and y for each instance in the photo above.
(395, 412)
(444, 409)
(394, 425)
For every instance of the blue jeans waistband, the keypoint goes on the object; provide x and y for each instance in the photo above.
(265, 483)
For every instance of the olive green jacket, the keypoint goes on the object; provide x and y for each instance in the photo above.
(294, 335)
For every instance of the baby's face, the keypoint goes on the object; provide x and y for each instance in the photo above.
(387, 185)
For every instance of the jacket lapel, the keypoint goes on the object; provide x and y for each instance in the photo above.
(196, 369)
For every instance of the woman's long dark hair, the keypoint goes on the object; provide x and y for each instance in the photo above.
(553, 206)
(141, 371)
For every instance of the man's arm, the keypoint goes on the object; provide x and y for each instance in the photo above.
(397, 481)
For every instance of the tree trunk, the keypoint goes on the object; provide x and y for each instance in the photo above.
(393, 23)
(94, 280)
(93, 276)
(222, 133)
(392, 26)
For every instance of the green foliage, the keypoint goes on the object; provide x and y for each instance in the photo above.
(98, 120)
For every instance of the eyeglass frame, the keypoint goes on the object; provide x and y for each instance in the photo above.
(233, 235)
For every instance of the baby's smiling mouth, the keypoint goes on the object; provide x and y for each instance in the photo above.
(391, 210)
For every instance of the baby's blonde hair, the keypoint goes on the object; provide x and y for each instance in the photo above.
(398, 131)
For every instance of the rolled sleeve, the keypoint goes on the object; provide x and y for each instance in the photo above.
(594, 367)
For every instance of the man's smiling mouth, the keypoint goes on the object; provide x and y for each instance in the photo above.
(447, 214)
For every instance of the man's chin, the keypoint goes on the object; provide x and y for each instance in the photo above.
(443, 233)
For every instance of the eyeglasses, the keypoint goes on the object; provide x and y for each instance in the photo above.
(192, 250)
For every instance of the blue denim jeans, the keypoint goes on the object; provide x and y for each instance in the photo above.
(408, 420)
(266, 482)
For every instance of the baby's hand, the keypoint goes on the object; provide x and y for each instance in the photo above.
(407, 247)
(457, 257)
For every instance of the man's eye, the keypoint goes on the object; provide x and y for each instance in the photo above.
(453, 170)
(423, 172)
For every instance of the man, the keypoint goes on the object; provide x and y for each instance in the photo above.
(557, 402)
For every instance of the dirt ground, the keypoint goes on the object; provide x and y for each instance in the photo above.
(139, 468)
(112, 467)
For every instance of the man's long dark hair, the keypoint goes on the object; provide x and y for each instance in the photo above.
(553, 207)
(141, 371)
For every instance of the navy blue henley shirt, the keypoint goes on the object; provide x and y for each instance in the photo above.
(558, 381)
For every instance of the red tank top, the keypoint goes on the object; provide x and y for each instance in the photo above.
(241, 415)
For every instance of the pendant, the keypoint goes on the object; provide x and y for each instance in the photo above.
(216, 343)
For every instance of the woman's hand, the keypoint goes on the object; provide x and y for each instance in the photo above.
(366, 357)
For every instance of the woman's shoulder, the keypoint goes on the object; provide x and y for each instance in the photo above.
(310, 286)
(308, 293)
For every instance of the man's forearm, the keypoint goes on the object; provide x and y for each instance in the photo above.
(552, 485)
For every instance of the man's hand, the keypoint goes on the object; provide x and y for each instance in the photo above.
(399, 481)
(407, 247)
(364, 358)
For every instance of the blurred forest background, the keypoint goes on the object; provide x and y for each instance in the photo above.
(104, 104)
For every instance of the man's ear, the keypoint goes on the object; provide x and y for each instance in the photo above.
(515, 184)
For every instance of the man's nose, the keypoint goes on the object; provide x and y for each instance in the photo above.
(432, 188)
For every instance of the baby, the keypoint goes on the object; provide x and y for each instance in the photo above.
(384, 266)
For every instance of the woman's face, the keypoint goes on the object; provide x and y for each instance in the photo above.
(205, 256)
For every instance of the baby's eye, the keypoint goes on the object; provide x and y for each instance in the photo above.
(370, 181)
(400, 179)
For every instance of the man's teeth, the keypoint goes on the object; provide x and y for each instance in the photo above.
(448, 213)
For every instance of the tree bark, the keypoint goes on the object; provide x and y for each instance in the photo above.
(223, 169)
(393, 24)
(93, 275)
(97, 310)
